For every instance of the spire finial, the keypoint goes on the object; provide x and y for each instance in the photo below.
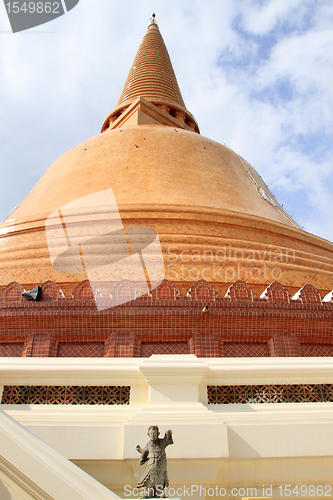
(153, 79)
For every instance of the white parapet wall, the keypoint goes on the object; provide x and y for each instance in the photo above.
(30, 469)
(216, 445)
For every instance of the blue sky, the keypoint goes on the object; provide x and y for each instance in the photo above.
(257, 75)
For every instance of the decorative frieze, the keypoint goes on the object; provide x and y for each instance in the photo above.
(246, 394)
(66, 395)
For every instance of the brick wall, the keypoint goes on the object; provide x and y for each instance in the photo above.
(238, 325)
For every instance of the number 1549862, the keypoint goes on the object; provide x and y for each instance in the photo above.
(305, 490)
(33, 7)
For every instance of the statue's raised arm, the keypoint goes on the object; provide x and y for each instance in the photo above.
(168, 437)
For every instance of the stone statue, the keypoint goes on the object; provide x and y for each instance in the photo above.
(155, 477)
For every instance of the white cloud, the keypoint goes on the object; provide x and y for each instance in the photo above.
(261, 18)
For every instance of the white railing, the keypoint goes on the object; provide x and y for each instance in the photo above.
(161, 370)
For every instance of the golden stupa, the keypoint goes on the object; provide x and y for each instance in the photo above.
(215, 217)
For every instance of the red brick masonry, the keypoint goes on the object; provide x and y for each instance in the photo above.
(238, 325)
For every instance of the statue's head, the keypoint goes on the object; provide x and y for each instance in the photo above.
(153, 432)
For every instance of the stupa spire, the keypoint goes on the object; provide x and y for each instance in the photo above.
(152, 78)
